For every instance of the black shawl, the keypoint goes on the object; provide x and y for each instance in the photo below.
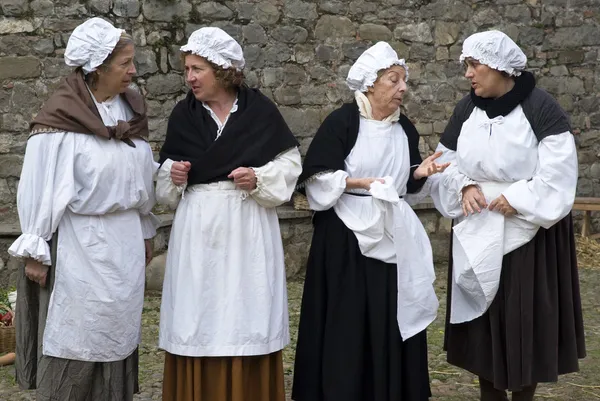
(335, 139)
(253, 136)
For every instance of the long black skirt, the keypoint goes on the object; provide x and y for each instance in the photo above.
(533, 330)
(349, 345)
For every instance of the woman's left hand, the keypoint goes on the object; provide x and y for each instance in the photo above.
(501, 205)
(244, 178)
(148, 247)
(429, 167)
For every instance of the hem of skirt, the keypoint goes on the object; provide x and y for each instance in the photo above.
(236, 350)
(535, 380)
(82, 359)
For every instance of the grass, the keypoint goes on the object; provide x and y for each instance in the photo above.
(448, 383)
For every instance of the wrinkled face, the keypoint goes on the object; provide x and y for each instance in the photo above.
(200, 76)
(120, 72)
(386, 93)
(485, 81)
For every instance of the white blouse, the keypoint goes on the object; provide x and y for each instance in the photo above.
(98, 194)
(502, 156)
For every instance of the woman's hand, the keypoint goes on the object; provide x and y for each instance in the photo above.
(179, 172)
(148, 249)
(501, 205)
(36, 272)
(429, 167)
(472, 200)
(361, 183)
(244, 178)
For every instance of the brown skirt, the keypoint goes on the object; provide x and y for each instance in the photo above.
(533, 330)
(246, 378)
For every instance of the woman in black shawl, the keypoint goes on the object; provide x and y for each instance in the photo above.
(368, 295)
(228, 160)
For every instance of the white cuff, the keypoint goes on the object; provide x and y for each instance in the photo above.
(149, 225)
(31, 246)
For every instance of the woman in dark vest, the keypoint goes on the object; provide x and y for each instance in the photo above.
(514, 311)
(368, 295)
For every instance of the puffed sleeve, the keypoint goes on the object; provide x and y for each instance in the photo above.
(276, 180)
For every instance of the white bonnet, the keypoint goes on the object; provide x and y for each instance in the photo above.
(215, 45)
(363, 72)
(91, 43)
(496, 50)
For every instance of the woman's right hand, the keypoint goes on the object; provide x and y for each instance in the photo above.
(472, 200)
(36, 272)
(179, 172)
(361, 183)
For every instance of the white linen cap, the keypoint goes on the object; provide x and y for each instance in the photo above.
(496, 50)
(363, 72)
(91, 43)
(215, 45)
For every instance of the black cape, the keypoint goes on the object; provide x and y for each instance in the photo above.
(254, 135)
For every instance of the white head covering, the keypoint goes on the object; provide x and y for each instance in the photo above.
(496, 50)
(363, 72)
(215, 45)
(91, 43)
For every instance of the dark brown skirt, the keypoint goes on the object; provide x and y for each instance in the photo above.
(245, 378)
(533, 331)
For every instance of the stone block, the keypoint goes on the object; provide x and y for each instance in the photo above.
(244, 11)
(145, 61)
(126, 8)
(20, 67)
(287, 96)
(322, 74)
(333, 7)
(327, 53)
(266, 14)
(214, 11)
(14, 122)
(160, 10)
(276, 54)
(299, 10)
(293, 75)
(330, 27)
(14, 8)
(254, 33)
(570, 56)
(302, 122)
(155, 272)
(575, 37)
(165, 84)
(42, 8)
(446, 33)
(254, 57)
(56, 67)
(12, 25)
(101, 6)
(419, 33)
(374, 32)
(10, 165)
(314, 95)
(290, 34)
(353, 50)
(518, 13)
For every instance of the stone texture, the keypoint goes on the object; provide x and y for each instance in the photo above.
(145, 60)
(101, 6)
(374, 32)
(212, 10)
(161, 10)
(10, 165)
(10, 25)
(42, 8)
(14, 8)
(254, 34)
(164, 84)
(446, 33)
(331, 27)
(126, 8)
(290, 34)
(300, 10)
(585, 35)
(19, 67)
(420, 33)
(266, 14)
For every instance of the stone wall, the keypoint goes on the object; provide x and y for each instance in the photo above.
(299, 52)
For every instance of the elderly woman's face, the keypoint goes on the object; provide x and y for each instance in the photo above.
(485, 81)
(387, 92)
(200, 76)
(120, 72)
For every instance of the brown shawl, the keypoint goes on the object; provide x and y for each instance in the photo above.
(72, 109)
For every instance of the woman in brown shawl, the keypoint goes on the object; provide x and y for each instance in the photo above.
(84, 199)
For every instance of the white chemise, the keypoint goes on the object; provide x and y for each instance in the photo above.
(224, 292)
(98, 194)
(502, 156)
(386, 227)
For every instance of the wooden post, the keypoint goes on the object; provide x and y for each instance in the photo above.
(587, 224)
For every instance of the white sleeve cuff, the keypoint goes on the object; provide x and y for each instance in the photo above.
(149, 225)
(31, 246)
